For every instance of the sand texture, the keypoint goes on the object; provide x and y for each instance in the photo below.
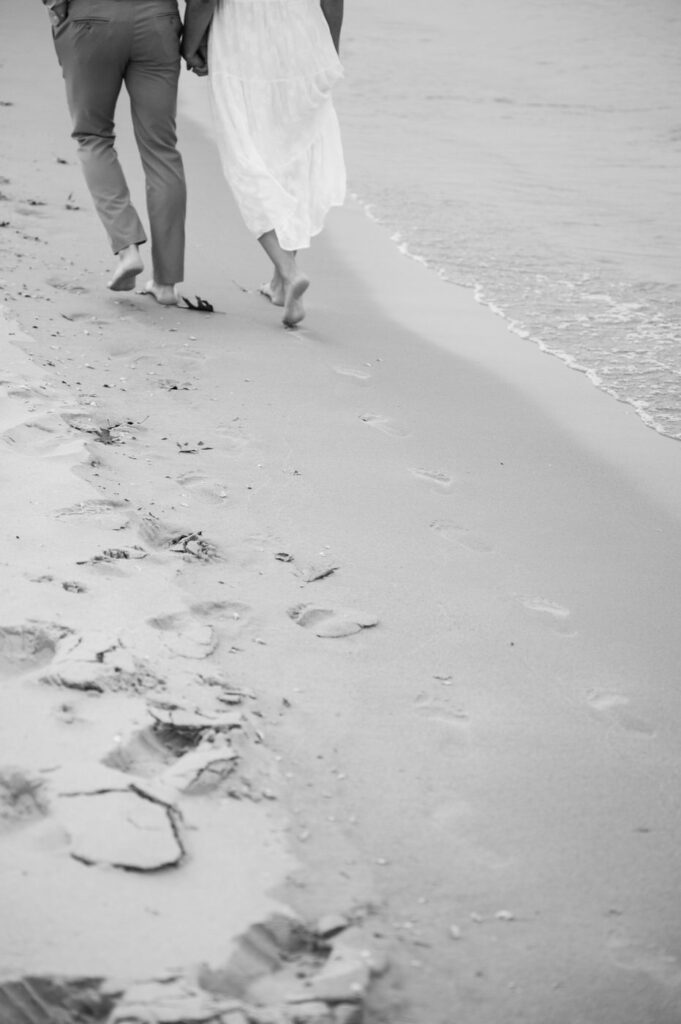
(359, 641)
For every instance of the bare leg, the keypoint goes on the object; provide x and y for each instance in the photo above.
(289, 283)
(129, 266)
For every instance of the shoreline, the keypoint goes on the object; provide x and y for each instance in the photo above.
(364, 244)
(483, 770)
(513, 326)
(558, 230)
(605, 426)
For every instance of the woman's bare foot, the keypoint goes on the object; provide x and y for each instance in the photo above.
(274, 290)
(287, 284)
(165, 294)
(294, 311)
(129, 266)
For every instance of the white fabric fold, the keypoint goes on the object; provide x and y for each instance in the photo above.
(272, 67)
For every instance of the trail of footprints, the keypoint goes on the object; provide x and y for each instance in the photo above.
(185, 751)
(455, 533)
(202, 742)
(383, 424)
(612, 708)
(159, 537)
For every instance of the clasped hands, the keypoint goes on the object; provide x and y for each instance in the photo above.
(198, 62)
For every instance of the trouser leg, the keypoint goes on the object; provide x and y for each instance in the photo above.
(151, 79)
(93, 53)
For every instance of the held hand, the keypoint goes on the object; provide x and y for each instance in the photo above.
(198, 62)
(195, 56)
(197, 65)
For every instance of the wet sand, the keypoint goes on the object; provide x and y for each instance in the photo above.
(483, 767)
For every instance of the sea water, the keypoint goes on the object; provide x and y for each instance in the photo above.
(531, 151)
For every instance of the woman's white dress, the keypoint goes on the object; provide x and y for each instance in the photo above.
(272, 66)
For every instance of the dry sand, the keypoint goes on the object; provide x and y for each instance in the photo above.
(488, 777)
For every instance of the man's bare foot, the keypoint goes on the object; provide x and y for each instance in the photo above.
(165, 294)
(274, 291)
(294, 311)
(129, 266)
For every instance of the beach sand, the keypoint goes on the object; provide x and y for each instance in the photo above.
(197, 508)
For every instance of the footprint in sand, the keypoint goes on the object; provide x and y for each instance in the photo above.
(73, 587)
(169, 384)
(233, 438)
(206, 487)
(29, 392)
(632, 954)
(64, 285)
(148, 752)
(190, 638)
(112, 670)
(110, 514)
(456, 534)
(556, 614)
(75, 315)
(180, 540)
(112, 556)
(45, 434)
(188, 751)
(12, 415)
(442, 481)
(437, 710)
(174, 733)
(351, 371)
(93, 321)
(384, 424)
(21, 798)
(219, 610)
(104, 431)
(614, 708)
(28, 647)
(30, 209)
(184, 637)
(329, 622)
